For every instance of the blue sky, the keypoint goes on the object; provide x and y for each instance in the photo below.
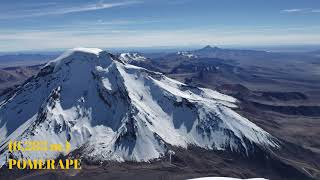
(57, 24)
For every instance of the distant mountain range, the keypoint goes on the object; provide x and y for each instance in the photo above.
(11, 60)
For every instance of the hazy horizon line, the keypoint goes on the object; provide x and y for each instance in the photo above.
(280, 47)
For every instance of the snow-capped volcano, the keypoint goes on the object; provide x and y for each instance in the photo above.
(112, 110)
(131, 57)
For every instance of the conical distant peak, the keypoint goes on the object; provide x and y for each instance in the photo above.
(208, 47)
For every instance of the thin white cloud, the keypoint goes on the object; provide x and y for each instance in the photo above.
(37, 40)
(292, 10)
(56, 10)
(94, 7)
(301, 10)
(316, 11)
(123, 22)
(179, 2)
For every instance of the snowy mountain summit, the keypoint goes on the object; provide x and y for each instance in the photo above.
(131, 57)
(110, 110)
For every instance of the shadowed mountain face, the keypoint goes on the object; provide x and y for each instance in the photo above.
(277, 91)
